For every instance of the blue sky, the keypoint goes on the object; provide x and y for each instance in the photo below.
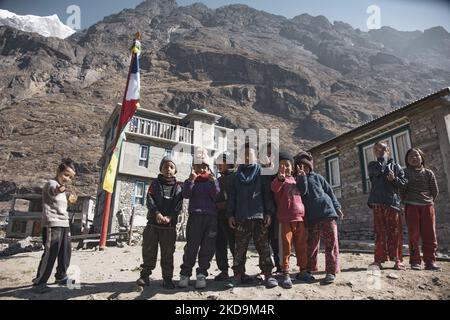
(399, 14)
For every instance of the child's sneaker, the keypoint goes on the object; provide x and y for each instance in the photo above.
(62, 282)
(41, 288)
(286, 282)
(270, 281)
(329, 278)
(201, 281)
(222, 276)
(305, 276)
(168, 283)
(432, 267)
(184, 281)
(233, 281)
(416, 266)
(143, 281)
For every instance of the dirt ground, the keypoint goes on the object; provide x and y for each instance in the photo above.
(111, 275)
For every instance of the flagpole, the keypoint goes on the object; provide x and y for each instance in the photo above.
(107, 206)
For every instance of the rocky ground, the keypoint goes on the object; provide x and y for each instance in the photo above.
(111, 275)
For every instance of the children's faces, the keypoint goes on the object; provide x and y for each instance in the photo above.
(65, 176)
(168, 169)
(200, 168)
(380, 150)
(223, 167)
(285, 167)
(414, 159)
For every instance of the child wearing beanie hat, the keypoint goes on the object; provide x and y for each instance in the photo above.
(322, 211)
(201, 230)
(164, 202)
(290, 214)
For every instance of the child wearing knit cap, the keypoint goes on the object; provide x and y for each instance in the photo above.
(201, 229)
(322, 211)
(164, 203)
(290, 214)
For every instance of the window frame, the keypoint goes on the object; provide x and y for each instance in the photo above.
(136, 196)
(338, 187)
(144, 159)
(408, 145)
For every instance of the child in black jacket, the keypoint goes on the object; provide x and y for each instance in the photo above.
(164, 202)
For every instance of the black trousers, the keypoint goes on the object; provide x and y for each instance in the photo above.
(225, 240)
(201, 232)
(57, 245)
(151, 238)
(273, 240)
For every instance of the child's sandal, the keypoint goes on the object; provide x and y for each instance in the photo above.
(399, 266)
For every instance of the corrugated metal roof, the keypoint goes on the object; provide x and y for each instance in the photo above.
(434, 95)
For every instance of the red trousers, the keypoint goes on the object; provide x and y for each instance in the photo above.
(293, 234)
(327, 230)
(421, 223)
(388, 233)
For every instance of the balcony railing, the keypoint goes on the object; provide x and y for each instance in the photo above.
(161, 130)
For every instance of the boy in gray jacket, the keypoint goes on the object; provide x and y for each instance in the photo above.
(55, 228)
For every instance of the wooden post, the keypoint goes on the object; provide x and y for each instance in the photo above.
(131, 226)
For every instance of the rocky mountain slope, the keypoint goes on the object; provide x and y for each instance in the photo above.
(310, 78)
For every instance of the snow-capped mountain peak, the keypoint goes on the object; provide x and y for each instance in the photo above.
(48, 26)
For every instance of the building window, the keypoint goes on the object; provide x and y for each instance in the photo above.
(401, 145)
(139, 193)
(143, 155)
(334, 175)
(168, 152)
(398, 142)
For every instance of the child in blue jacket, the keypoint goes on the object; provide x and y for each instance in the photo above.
(322, 211)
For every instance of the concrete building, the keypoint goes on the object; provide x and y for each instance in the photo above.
(151, 135)
(424, 123)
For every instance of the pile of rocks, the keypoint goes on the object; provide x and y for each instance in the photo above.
(18, 246)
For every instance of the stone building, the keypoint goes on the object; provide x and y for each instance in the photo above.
(424, 123)
(151, 135)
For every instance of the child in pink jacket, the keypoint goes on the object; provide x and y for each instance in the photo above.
(290, 215)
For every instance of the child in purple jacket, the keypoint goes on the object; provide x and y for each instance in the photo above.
(201, 189)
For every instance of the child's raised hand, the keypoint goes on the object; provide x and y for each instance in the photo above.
(61, 189)
(281, 175)
(73, 198)
(232, 222)
(391, 176)
(300, 171)
(193, 175)
(211, 177)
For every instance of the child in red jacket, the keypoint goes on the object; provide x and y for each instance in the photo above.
(290, 215)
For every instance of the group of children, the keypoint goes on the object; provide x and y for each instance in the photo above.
(239, 206)
(291, 210)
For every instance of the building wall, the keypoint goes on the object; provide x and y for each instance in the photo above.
(129, 159)
(428, 131)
